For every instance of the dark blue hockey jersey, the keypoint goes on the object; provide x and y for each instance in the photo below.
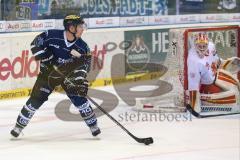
(56, 43)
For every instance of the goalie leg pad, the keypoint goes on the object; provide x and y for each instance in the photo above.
(229, 94)
(226, 80)
(193, 98)
(210, 89)
(222, 98)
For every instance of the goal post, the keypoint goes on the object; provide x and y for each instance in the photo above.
(227, 41)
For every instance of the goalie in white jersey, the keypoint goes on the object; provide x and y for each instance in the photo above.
(209, 83)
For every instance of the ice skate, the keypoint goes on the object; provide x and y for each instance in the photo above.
(95, 130)
(16, 131)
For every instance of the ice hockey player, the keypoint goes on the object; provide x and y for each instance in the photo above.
(209, 83)
(55, 48)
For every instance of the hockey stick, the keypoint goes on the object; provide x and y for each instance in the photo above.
(146, 141)
(196, 114)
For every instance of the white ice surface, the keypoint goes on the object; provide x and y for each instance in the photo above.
(48, 138)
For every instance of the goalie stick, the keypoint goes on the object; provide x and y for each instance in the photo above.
(196, 114)
(146, 141)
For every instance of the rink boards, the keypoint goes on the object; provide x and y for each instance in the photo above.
(113, 50)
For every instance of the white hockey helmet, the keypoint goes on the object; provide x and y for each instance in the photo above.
(201, 43)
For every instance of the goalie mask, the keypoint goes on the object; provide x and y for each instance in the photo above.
(201, 44)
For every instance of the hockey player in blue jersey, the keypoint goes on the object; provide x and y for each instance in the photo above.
(55, 48)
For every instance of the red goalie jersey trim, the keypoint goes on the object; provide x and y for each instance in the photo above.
(210, 89)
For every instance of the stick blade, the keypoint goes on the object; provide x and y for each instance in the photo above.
(197, 115)
(146, 141)
(190, 109)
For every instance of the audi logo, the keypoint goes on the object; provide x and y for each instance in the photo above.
(25, 25)
(48, 24)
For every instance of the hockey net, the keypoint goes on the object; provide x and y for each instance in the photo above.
(227, 43)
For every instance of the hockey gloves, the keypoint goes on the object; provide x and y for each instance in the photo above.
(76, 83)
(78, 88)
